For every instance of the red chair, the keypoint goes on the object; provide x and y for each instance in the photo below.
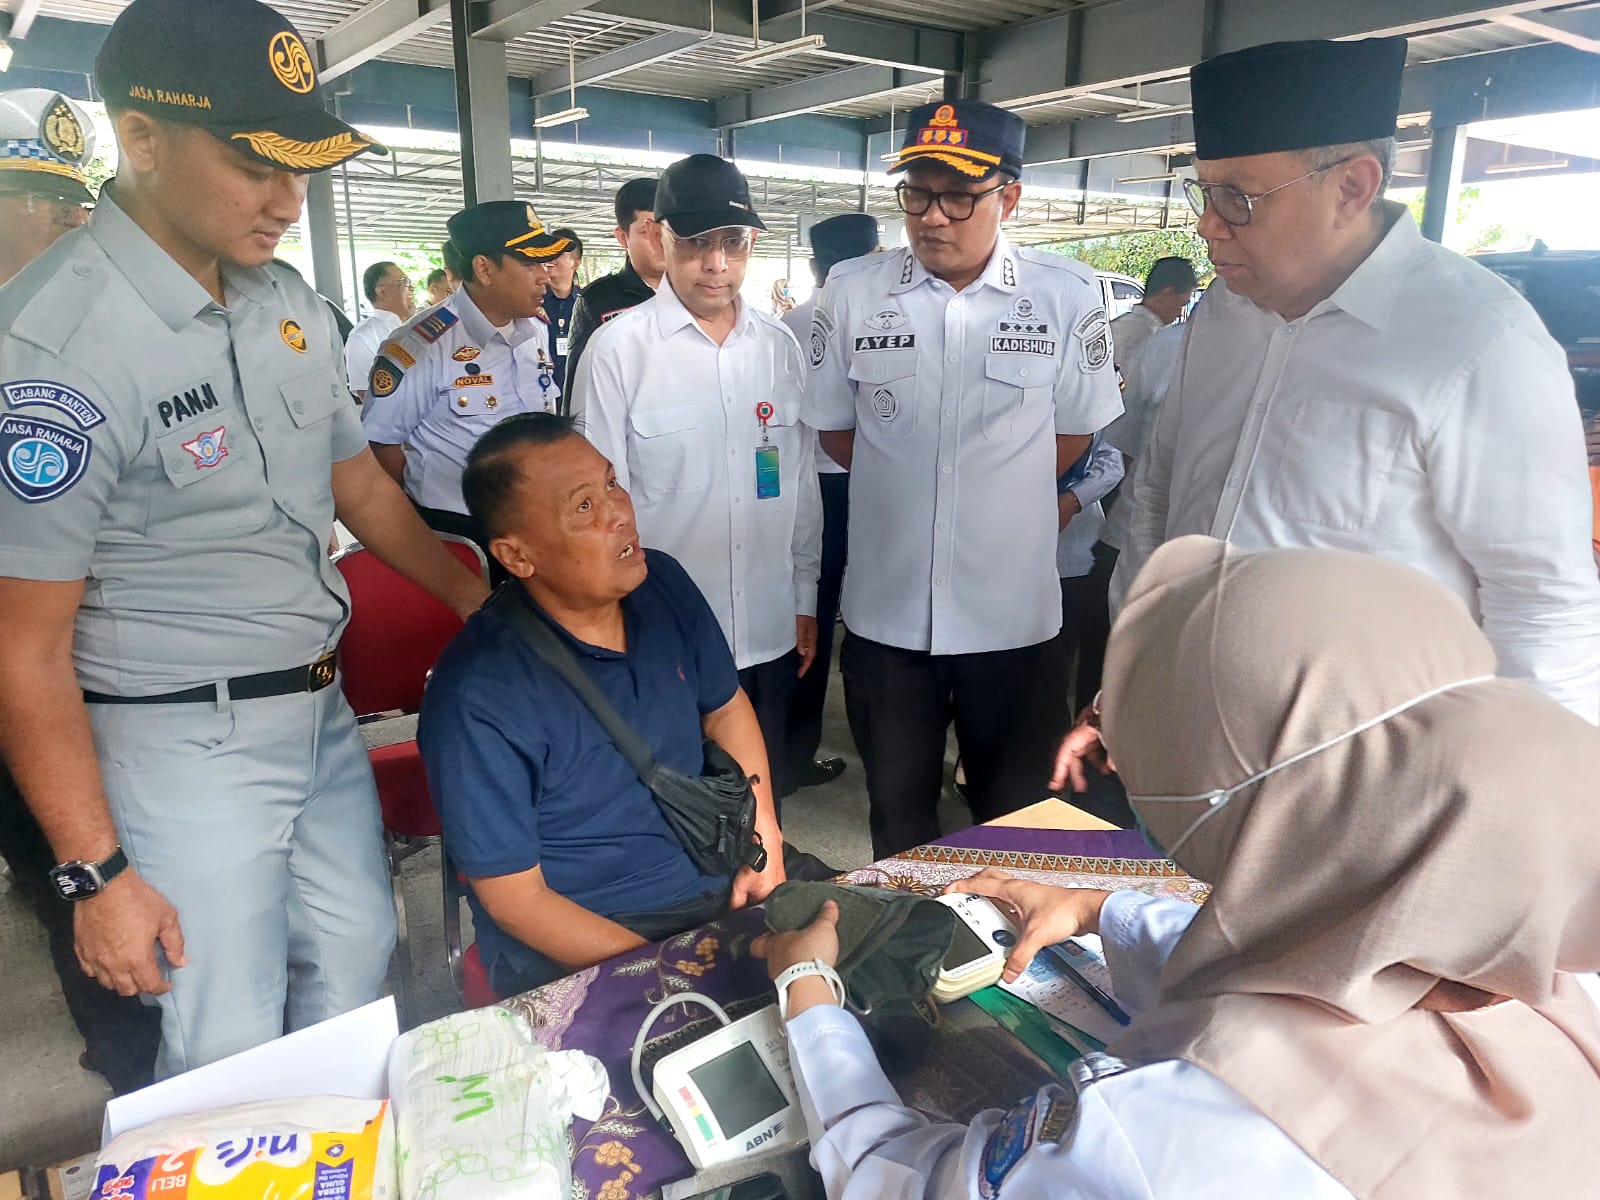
(475, 985)
(395, 635)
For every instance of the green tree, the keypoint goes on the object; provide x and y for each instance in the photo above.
(1134, 254)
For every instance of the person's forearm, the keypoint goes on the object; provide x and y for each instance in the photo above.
(560, 929)
(839, 444)
(1069, 449)
(392, 459)
(375, 510)
(46, 743)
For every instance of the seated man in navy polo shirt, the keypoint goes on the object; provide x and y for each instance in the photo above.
(569, 857)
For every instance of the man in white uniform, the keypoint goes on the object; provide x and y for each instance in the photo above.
(694, 397)
(394, 302)
(958, 380)
(1348, 385)
(461, 367)
(1168, 289)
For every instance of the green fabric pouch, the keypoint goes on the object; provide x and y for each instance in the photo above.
(891, 944)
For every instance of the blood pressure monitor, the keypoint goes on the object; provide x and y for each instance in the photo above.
(728, 1094)
(978, 952)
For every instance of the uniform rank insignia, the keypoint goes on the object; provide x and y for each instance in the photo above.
(821, 334)
(62, 133)
(907, 266)
(207, 448)
(53, 395)
(885, 405)
(464, 354)
(1008, 272)
(293, 336)
(385, 377)
(395, 352)
(1094, 339)
(40, 459)
(433, 326)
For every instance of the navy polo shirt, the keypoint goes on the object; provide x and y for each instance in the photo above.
(524, 776)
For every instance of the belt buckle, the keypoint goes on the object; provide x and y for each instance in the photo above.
(320, 673)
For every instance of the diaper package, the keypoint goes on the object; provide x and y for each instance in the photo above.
(481, 1110)
(316, 1148)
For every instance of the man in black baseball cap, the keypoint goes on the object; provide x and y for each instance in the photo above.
(704, 192)
(176, 439)
(233, 67)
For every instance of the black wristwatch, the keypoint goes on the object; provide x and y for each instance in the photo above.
(79, 880)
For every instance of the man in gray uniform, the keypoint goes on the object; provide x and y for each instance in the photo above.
(175, 443)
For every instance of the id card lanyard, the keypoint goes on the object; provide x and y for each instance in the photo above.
(766, 457)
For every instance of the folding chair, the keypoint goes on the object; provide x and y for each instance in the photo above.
(395, 635)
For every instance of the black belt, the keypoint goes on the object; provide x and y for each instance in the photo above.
(310, 678)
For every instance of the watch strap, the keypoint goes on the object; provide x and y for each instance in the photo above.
(800, 970)
(112, 866)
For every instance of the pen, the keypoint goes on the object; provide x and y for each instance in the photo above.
(1112, 1008)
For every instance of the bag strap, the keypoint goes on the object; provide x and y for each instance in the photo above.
(558, 656)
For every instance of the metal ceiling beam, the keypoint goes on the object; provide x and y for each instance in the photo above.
(871, 40)
(1580, 30)
(813, 94)
(504, 20)
(1136, 40)
(375, 29)
(22, 15)
(643, 53)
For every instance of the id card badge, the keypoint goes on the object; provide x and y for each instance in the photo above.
(766, 472)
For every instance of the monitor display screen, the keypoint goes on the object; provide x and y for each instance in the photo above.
(738, 1089)
(967, 948)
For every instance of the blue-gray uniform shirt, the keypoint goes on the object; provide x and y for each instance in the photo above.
(174, 453)
(447, 378)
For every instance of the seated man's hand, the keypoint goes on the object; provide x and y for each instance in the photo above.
(751, 887)
(1082, 744)
(818, 940)
(1043, 914)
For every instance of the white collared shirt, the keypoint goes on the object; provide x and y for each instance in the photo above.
(956, 400)
(1421, 413)
(677, 416)
(798, 319)
(361, 347)
(1144, 387)
(450, 377)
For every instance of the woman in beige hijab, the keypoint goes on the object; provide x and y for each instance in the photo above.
(1404, 853)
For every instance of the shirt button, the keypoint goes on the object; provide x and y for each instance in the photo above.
(952, 358)
(945, 470)
(1023, 374)
(300, 408)
(949, 414)
(738, 545)
(944, 526)
(81, 271)
(939, 582)
(176, 464)
(259, 424)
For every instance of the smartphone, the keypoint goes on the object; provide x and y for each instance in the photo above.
(977, 955)
(757, 1187)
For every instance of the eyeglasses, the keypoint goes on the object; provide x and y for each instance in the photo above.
(736, 248)
(957, 206)
(1232, 204)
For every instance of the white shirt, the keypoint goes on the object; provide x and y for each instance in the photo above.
(361, 347)
(1075, 543)
(1151, 373)
(450, 377)
(676, 415)
(956, 400)
(1421, 413)
(1151, 1132)
(798, 319)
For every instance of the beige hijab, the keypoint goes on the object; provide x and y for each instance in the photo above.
(1456, 841)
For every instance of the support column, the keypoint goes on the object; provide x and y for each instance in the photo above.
(483, 110)
(1444, 180)
(322, 230)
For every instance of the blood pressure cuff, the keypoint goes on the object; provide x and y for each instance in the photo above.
(891, 944)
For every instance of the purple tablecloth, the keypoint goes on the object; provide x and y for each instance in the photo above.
(624, 1154)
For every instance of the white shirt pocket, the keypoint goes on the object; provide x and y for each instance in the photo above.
(1337, 460)
(667, 450)
(1016, 390)
(886, 385)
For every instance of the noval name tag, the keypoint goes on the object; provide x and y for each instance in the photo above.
(766, 472)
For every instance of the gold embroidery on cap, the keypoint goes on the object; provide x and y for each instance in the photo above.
(290, 62)
(303, 156)
(62, 132)
(293, 336)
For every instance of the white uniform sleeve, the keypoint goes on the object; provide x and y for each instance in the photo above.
(807, 543)
(605, 402)
(1138, 932)
(359, 352)
(1152, 485)
(1510, 485)
(830, 402)
(1104, 473)
(1087, 397)
(391, 420)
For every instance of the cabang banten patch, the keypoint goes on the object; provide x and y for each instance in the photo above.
(1022, 345)
(53, 395)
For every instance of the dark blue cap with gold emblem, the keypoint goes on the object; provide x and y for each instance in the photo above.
(1296, 96)
(233, 67)
(45, 139)
(972, 137)
(498, 227)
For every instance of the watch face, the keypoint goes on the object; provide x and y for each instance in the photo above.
(75, 881)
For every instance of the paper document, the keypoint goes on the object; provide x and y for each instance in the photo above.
(1047, 987)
